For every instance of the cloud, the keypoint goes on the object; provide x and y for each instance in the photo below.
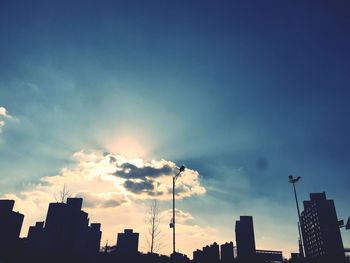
(101, 176)
(115, 190)
(147, 179)
(3, 115)
(181, 216)
(128, 170)
(92, 200)
(138, 187)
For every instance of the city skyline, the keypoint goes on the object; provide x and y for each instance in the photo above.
(68, 234)
(110, 98)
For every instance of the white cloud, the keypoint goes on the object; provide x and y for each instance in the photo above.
(181, 216)
(3, 112)
(101, 179)
(4, 115)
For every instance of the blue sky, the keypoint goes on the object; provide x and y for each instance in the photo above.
(244, 93)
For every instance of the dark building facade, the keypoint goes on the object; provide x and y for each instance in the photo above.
(10, 228)
(36, 239)
(320, 229)
(65, 235)
(128, 242)
(245, 240)
(198, 256)
(269, 256)
(209, 254)
(227, 252)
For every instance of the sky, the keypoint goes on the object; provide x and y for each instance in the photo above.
(109, 98)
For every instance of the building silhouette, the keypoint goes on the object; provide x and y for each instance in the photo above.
(35, 240)
(198, 256)
(10, 228)
(227, 252)
(208, 254)
(128, 242)
(65, 235)
(178, 258)
(246, 249)
(269, 256)
(320, 229)
(211, 253)
(295, 258)
(245, 240)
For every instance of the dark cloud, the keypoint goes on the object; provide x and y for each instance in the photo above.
(130, 171)
(112, 159)
(181, 189)
(93, 201)
(110, 203)
(139, 187)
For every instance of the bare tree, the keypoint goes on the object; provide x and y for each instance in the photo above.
(154, 237)
(63, 194)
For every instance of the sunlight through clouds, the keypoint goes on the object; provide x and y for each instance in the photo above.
(115, 190)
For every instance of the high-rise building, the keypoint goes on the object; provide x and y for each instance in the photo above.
(66, 226)
(320, 229)
(227, 253)
(128, 242)
(245, 239)
(10, 228)
(209, 254)
(66, 234)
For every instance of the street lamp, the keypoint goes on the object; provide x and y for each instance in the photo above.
(172, 223)
(293, 180)
(342, 225)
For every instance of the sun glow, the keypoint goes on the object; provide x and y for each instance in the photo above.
(128, 146)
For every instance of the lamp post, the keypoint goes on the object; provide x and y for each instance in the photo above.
(342, 225)
(293, 180)
(172, 223)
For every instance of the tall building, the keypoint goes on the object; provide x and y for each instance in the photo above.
(245, 239)
(128, 242)
(227, 252)
(209, 254)
(10, 228)
(320, 229)
(66, 234)
(66, 226)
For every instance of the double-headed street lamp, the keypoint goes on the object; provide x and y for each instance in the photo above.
(293, 180)
(172, 223)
